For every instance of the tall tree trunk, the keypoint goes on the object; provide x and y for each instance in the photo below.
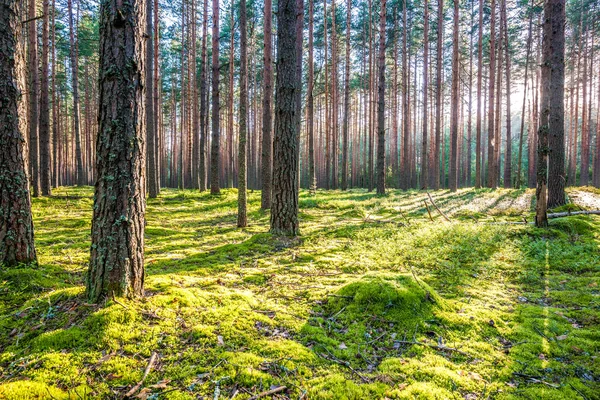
(404, 170)
(425, 149)
(491, 181)
(81, 176)
(117, 252)
(470, 104)
(438, 94)
(33, 108)
(203, 100)
(552, 107)
(229, 168)
(521, 130)
(346, 99)
(267, 122)
(381, 103)
(44, 133)
(150, 127)
(478, 143)
(242, 219)
(55, 105)
(508, 153)
(312, 178)
(156, 101)
(284, 206)
(453, 170)
(556, 139)
(16, 226)
(195, 184)
(215, 145)
(334, 99)
(584, 173)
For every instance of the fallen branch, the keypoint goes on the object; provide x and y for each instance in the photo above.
(569, 213)
(434, 346)
(428, 212)
(146, 372)
(437, 208)
(266, 393)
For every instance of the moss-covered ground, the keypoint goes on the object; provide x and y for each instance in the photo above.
(373, 301)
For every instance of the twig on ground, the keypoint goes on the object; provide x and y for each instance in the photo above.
(435, 346)
(146, 372)
(578, 391)
(437, 208)
(266, 393)
(428, 212)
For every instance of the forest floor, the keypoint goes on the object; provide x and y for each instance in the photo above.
(374, 300)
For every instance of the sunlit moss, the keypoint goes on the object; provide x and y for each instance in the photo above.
(363, 305)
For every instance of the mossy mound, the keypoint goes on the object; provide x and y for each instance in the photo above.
(372, 314)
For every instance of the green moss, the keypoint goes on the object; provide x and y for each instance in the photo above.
(361, 306)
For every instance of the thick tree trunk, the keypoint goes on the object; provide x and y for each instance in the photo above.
(242, 219)
(381, 103)
(117, 253)
(215, 145)
(438, 94)
(346, 120)
(16, 226)
(552, 103)
(284, 206)
(556, 140)
(334, 99)
(491, 181)
(229, 164)
(44, 133)
(267, 122)
(55, 105)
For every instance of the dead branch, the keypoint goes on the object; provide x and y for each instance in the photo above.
(434, 346)
(266, 393)
(428, 212)
(146, 372)
(569, 213)
(437, 208)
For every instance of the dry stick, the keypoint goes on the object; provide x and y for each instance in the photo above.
(569, 213)
(428, 212)
(146, 372)
(437, 208)
(269, 392)
(435, 346)
(345, 364)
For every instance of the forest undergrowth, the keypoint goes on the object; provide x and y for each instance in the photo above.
(380, 297)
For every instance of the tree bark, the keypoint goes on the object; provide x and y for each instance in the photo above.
(491, 181)
(242, 219)
(117, 252)
(215, 145)
(16, 225)
(346, 99)
(150, 128)
(33, 107)
(556, 140)
(381, 103)
(284, 206)
(425, 150)
(44, 132)
(312, 178)
(552, 102)
(404, 170)
(508, 153)
(203, 100)
(528, 51)
(453, 170)
(81, 176)
(267, 122)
